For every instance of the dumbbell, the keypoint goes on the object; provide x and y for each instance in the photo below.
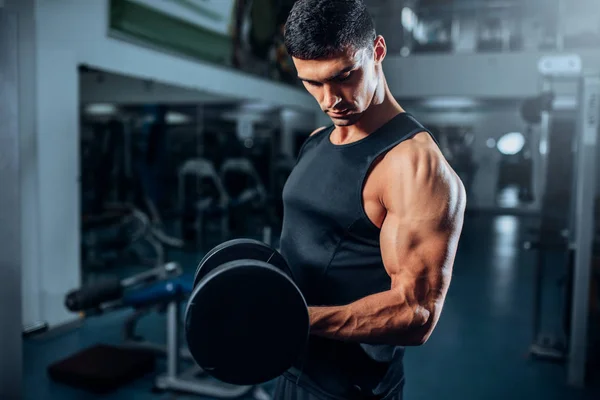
(246, 321)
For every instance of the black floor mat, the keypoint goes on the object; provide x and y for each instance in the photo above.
(102, 368)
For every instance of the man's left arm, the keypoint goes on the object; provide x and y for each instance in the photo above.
(425, 203)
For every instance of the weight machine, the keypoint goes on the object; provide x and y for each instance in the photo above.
(578, 236)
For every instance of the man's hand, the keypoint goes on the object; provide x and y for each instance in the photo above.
(424, 201)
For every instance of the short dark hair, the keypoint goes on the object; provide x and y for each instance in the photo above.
(321, 29)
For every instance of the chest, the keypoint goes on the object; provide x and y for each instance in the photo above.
(337, 188)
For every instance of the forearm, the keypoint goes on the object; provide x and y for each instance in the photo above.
(383, 318)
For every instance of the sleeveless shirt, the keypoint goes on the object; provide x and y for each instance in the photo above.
(332, 248)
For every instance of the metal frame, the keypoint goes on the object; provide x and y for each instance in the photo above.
(10, 211)
(546, 346)
(585, 193)
(541, 153)
(582, 213)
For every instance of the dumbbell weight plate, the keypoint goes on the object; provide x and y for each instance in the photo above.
(246, 322)
(238, 249)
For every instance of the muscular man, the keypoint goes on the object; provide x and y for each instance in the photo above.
(372, 214)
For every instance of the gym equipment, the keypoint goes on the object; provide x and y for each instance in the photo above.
(106, 293)
(202, 196)
(520, 162)
(162, 289)
(108, 236)
(233, 249)
(121, 232)
(532, 108)
(241, 181)
(119, 218)
(246, 321)
(583, 229)
(156, 227)
(515, 167)
(457, 144)
(247, 194)
(102, 151)
(577, 234)
(34, 329)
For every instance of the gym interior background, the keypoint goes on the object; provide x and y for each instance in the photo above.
(138, 134)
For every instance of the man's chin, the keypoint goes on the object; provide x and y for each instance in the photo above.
(345, 121)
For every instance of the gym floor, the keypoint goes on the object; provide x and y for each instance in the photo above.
(478, 351)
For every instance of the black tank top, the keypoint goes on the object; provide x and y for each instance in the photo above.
(332, 248)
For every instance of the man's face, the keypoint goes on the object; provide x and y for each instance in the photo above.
(343, 86)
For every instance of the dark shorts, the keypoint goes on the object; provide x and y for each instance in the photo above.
(289, 390)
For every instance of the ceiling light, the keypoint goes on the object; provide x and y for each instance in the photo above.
(511, 143)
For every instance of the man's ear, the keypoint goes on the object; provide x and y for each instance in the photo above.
(379, 49)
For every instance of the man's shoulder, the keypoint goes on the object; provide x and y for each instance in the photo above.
(420, 150)
(420, 169)
(318, 130)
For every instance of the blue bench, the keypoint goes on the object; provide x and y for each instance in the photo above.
(159, 292)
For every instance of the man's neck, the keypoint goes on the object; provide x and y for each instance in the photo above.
(377, 115)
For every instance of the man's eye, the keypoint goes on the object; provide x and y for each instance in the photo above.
(344, 77)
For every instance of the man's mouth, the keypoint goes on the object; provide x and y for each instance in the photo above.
(342, 113)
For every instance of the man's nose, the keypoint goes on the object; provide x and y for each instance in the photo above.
(330, 97)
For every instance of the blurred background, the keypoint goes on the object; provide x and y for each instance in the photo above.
(138, 134)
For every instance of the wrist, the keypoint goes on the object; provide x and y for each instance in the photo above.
(311, 317)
